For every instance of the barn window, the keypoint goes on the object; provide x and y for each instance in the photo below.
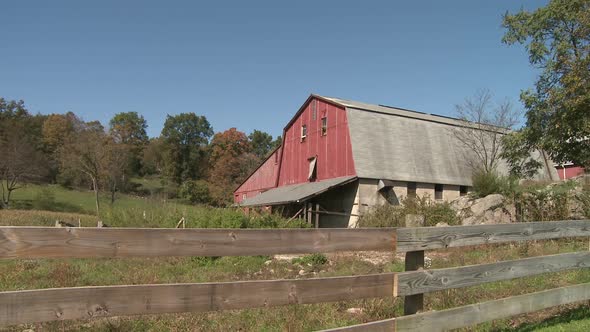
(312, 168)
(438, 191)
(462, 190)
(324, 126)
(303, 132)
(314, 110)
(243, 197)
(412, 189)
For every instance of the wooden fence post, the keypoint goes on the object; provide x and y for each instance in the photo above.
(414, 261)
(414, 303)
(317, 215)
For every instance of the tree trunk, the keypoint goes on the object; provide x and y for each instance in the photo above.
(113, 190)
(2, 200)
(95, 185)
(7, 202)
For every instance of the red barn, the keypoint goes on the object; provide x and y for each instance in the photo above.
(339, 157)
(569, 171)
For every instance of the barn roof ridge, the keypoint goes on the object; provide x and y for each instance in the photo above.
(398, 111)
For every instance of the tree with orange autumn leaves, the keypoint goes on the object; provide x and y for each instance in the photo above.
(231, 159)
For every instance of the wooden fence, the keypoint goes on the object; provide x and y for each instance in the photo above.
(41, 305)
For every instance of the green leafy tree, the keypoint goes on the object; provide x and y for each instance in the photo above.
(261, 142)
(153, 157)
(21, 160)
(129, 129)
(185, 137)
(277, 142)
(557, 39)
(195, 191)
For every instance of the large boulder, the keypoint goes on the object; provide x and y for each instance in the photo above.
(487, 203)
(491, 209)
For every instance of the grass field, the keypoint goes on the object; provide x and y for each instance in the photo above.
(129, 211)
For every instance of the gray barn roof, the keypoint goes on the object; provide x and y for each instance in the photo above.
(296, 193)
(397, 144)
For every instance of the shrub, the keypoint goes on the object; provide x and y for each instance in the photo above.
(383, 216)
(313, 260)
(584, 200)
(395, 215)
(488, 183)
(204, 261)
(195, 191)
(584, 197)
(539, 202)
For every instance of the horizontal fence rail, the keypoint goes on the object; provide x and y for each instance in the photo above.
(469, 315)
(71, 242)
(41, 305)
(74, 242)
(428, 238)
(87, 302)
(426, 281)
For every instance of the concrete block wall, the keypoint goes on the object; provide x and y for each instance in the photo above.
(367, 195)
(451, 192)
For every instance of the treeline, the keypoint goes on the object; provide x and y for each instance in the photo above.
(201, 166)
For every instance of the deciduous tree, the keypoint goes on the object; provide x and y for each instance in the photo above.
(484, 125)
(20, 159)
(231, 160)
(261, 142)
(185, 137)
(20, 163)
(557, 39)
(86, 152)
(129, 129)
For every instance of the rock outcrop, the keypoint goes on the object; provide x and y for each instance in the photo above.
(491, 209)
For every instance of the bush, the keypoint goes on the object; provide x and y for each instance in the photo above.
(488, 183)
(195, 191)
(395, 215)
(584, 200)
(313, 260)
(540, 202)
(204, 261)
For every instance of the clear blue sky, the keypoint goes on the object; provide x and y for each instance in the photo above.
(251, 64)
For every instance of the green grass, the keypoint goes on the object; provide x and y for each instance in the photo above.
(576, 319)
(47, 273)
(129, 211)
(132, 211)
(72, 200)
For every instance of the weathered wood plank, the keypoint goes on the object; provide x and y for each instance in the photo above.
(417, 282)
(37, 242)
(30, 306)
(482, 312)
(412, 303)
(386, 325)
(425, 238)
(455, 318)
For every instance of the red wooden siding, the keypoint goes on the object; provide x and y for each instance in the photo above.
(333, 151)
(264, 178)
(570, 171)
